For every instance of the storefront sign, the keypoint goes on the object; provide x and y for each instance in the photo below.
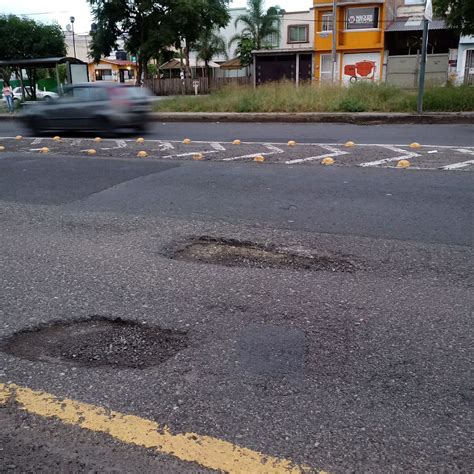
(362, 18)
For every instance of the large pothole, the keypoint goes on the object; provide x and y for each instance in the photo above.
(231, 252)
(98, 342)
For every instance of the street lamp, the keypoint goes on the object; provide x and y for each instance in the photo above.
(72, 20)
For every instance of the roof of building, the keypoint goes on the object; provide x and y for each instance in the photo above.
(231, 64)
(176, 64)
(415, 24)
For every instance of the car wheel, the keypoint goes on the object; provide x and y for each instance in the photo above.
(46, 97)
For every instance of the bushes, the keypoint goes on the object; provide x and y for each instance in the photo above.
(359, 97)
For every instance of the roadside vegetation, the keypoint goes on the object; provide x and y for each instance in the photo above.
(285, 97)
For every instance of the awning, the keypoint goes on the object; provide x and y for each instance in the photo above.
(40, 62)
(415, 24)
(231, 64)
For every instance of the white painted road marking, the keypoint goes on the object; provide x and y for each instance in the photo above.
(456, 166)
(404, 156)
(333, 152)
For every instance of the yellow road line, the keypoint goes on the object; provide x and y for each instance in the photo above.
(209, 452)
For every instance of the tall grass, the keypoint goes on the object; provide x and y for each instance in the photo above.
(285, 97)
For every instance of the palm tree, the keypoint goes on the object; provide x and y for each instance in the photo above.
(259, 24)
(209, 45)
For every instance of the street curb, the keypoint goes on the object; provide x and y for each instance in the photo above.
(359, 118)
(310, 117)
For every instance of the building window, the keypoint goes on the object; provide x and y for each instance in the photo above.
(272, 41)
(103, 74)
(362, 18)
(298, 34)
(326, 22)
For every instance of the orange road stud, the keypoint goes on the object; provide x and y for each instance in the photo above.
(236, 142)
(18, 137)
(259, 159)
(415, 145)
(403, 164)
(91, 152)
(291, 143)
(2, 148)
(97, 139)
(142, 154)
(349, 144)
(56, 139)
(186, 141)
(140, 140)
(198, 157)
(327, 161)
(45, 149)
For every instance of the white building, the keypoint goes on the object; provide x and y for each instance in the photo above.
(465, 61)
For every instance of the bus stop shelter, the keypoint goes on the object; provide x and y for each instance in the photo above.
(76, 69)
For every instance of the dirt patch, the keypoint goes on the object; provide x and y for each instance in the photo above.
(98, 342)
(233, 253)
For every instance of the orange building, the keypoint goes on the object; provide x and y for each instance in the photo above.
(359, 40)
(113, 70)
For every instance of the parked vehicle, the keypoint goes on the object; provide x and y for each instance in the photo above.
(103, 108)
(40, 94)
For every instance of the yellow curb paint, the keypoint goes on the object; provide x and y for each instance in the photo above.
(349, 144)
(327, 161)
(209, 452)
(44, 150)
(236, 142)
(91, 152)
(291, 143)
(403, 164)
(259, 159)
(142, 154)
(198, 157)
(18, 137)
(97, 139)
(415, 145)
(186, 141)
(140, 140)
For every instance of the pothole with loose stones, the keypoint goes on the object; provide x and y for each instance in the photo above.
(232, 253)
(98, 342)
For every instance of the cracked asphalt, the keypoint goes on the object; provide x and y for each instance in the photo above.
(364, 371)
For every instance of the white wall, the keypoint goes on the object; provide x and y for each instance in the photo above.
(465, 43)
(297, 18)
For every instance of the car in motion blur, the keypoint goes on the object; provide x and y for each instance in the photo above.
(106, 109)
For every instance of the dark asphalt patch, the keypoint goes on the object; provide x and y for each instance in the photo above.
(233, 253)
(98, 342)
(40, 179)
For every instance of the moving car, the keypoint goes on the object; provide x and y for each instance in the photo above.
(102, 108)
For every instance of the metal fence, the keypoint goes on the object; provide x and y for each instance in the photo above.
(186, 86)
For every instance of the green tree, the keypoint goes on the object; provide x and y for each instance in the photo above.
(24, 38)
(209, 45)
(245, 46)
(258, 24)
(459, 14)
(149, 27)
(192, 17)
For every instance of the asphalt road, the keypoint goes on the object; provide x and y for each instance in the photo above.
(364, 371)
(456, 135)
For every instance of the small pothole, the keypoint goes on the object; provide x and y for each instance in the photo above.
(98, 342)
(231, 252)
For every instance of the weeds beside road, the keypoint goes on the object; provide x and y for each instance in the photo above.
(285, 97)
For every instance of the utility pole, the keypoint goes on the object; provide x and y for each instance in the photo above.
(72, 20)
(427, 17)
(334, 41)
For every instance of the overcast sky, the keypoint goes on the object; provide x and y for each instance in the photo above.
(61, 10)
